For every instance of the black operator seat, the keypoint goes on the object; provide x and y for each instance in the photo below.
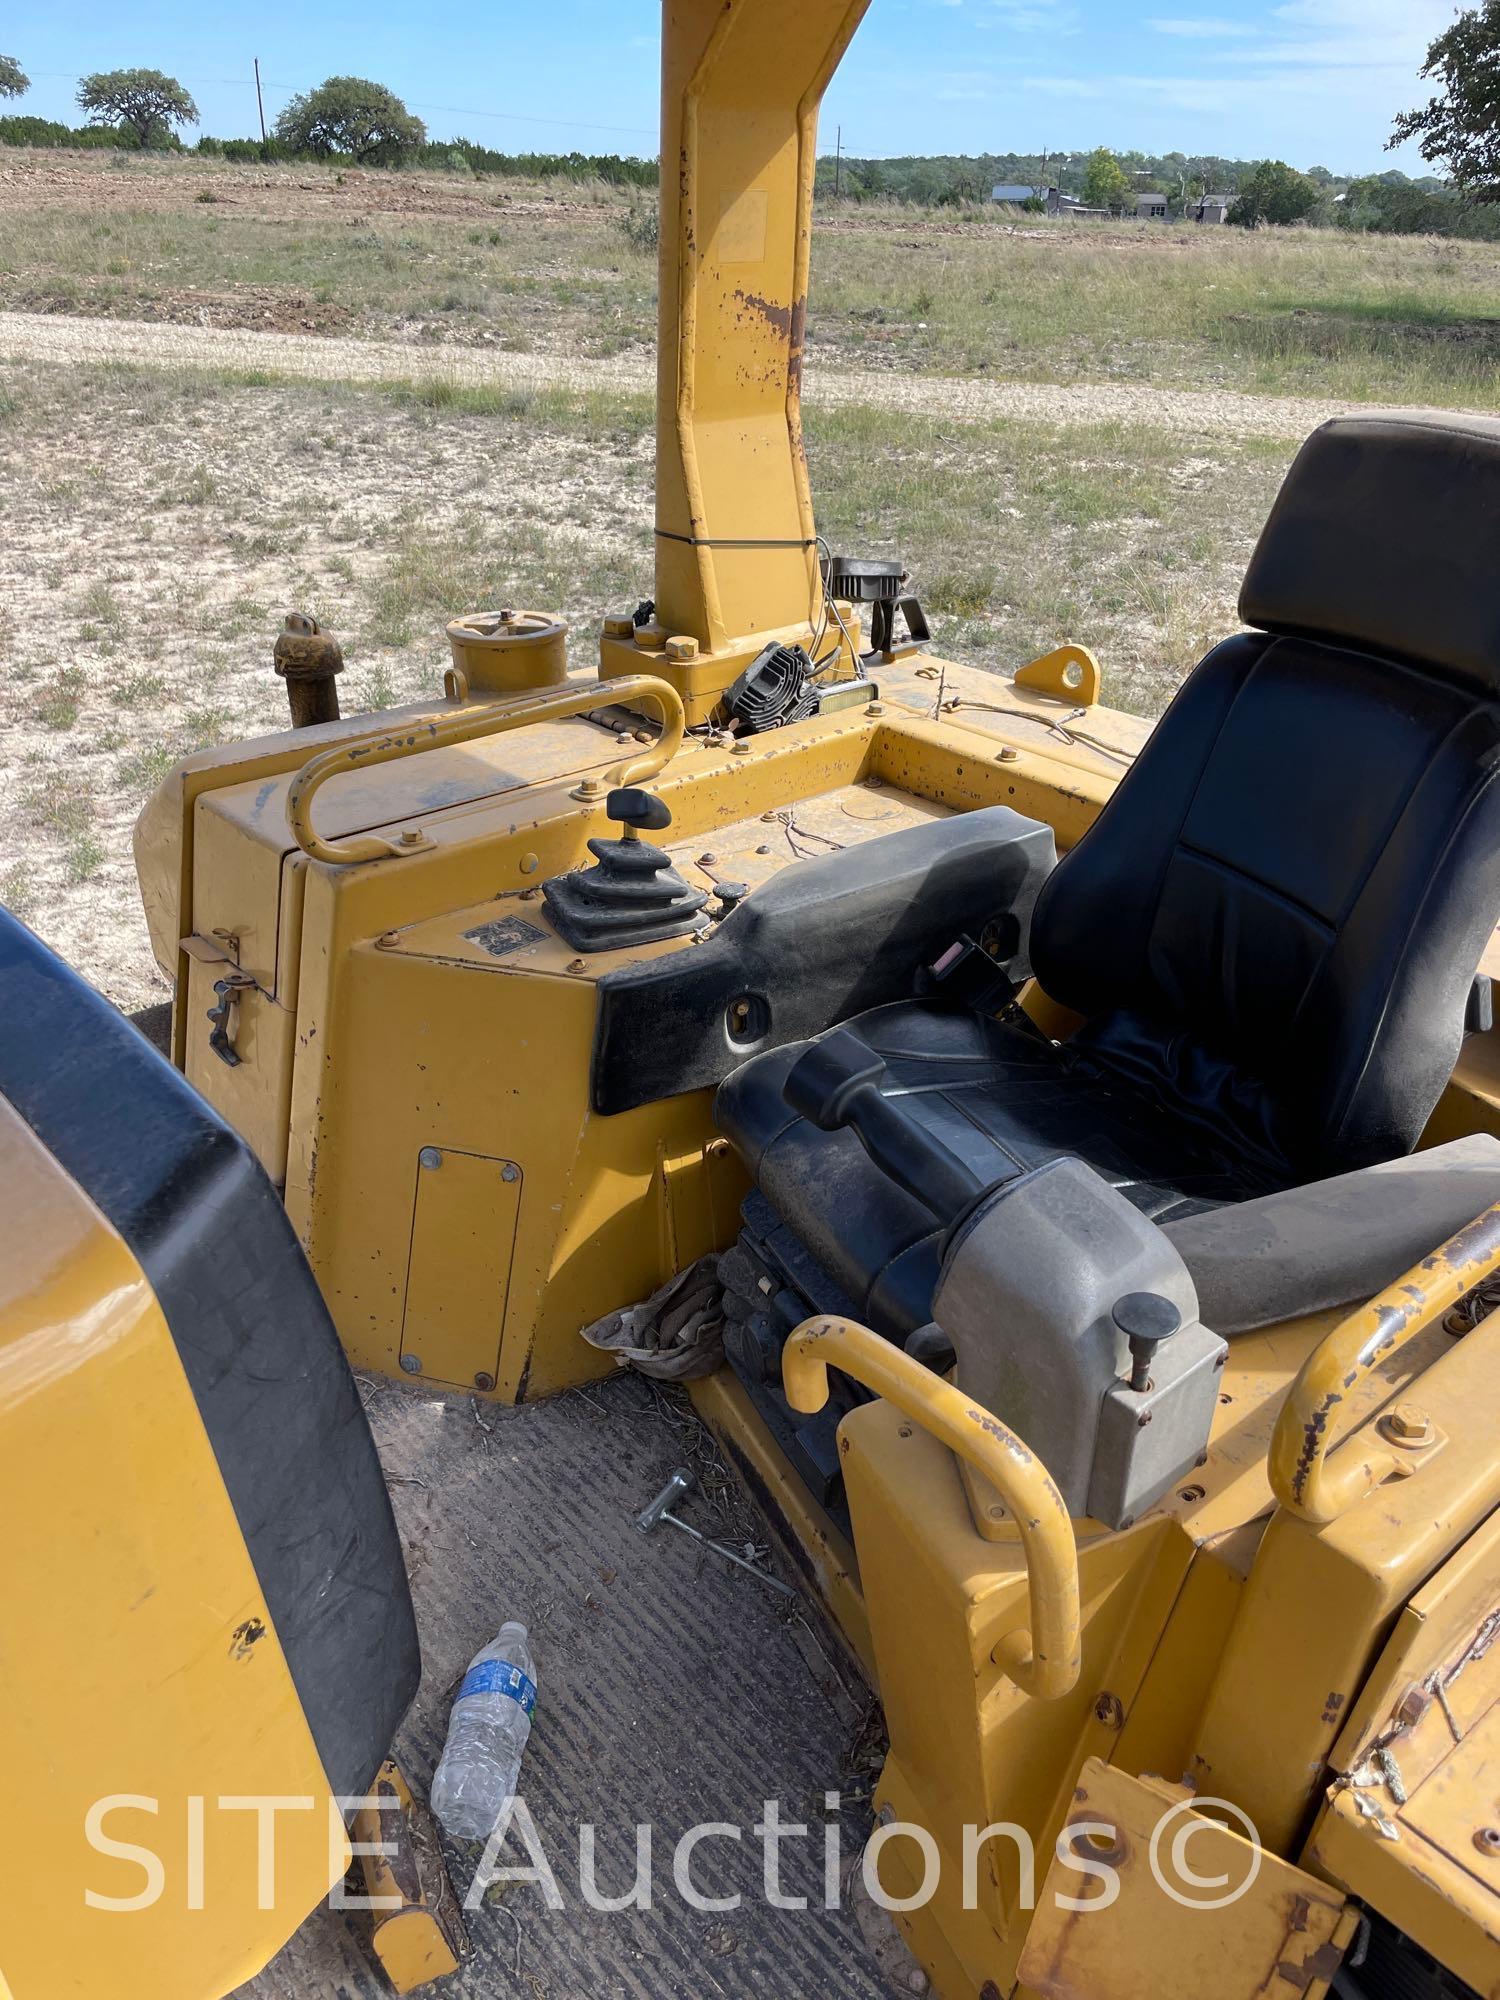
(1274, 925)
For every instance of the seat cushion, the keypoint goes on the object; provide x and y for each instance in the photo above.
(996, 1093)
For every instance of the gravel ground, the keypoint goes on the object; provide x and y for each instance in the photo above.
(314, 358)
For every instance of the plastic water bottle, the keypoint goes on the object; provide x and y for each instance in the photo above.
(487, 1731)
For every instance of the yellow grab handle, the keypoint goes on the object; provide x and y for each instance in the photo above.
(1045, 1660)
(437, 732)
(1307, 1477)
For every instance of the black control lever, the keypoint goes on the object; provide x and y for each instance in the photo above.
(837, 1083)
(638, 811)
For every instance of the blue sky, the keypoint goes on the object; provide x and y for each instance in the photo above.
(1311, 81)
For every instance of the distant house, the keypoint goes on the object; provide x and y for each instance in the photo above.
(1069, 204)
(1209, 208)
(1017, 192)
(1151, 207)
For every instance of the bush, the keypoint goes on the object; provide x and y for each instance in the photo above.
(608, 167)
(21, 131)
(640, 225)
(255, 151)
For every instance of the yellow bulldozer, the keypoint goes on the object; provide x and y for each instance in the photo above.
(1059, 1161)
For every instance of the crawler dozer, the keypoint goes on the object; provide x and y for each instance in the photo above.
(1087, 1137)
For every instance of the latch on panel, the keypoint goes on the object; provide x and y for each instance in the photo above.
(220, 1040)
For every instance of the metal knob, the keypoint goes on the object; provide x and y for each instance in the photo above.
(1146, 1319)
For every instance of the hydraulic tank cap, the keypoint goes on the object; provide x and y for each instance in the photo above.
(509, 652)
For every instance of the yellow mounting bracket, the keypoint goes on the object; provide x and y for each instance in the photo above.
(1308, 1478)
(1043, 1661)
(437, 732)
(1068, 673)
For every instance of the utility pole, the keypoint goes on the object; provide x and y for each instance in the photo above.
(260, 102)
(838, 163)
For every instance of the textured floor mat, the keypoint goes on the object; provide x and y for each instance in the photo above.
(674, 1690)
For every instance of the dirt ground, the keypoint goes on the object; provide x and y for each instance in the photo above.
(90, 181)
(300, 356)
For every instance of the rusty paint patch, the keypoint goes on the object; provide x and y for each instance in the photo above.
(798, 343)
(1321, 1963)
(785, 321)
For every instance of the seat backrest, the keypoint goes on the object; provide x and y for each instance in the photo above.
(1293, 885)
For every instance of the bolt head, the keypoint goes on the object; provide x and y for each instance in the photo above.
(1407, 1424)
(510, 1171)
(412, 1363)
(743, 749)
(430, 1157)
(1008, 754)
(1487, 1839)
(483, 1381)
(875, 708)
(410, 837)
(1414, 1705)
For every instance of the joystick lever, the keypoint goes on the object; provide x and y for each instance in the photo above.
(638, 811)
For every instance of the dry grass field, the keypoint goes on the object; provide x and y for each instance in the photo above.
(1064, 433)
(555, 268)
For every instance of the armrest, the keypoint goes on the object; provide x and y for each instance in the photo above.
(1335, 1241)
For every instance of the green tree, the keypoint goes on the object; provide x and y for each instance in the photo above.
(142, 100)
(14, 82)
(1272, 192)
(1461, 125)
(1404, 209)
(351, 116)
(1105, 182)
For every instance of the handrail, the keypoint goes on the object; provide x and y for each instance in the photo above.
(440, 731)
(1045, 1659)
(1308, 1477)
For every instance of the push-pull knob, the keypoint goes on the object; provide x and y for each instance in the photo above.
(1146, 1319)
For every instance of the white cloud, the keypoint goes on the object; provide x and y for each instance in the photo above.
(1205, 31)
(1357, 35)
